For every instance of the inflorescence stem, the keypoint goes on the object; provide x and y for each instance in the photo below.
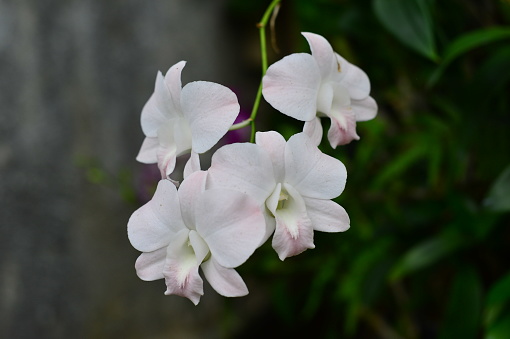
(263, 50)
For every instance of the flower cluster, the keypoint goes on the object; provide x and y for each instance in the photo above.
(216, 219)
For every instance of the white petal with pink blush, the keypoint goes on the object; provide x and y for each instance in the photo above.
(285, 177)
(182, 231)
(178, 120)
(304, 86)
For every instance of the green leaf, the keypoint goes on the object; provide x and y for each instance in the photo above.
(497, 301)
(427, 253)
(501, 330)
(498, 199)
(399, 165)
(500, 291)
(361, 284)
(493, 75)
(463, 312)
(410, 21)
(466, 43)
(324, 276)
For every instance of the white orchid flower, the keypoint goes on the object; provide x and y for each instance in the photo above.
(293, 181)
(306, 87)
(176, 121)
(180, 231)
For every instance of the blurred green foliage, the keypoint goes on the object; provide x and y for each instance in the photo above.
(428, 189)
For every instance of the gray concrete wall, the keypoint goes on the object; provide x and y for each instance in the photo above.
(74, 75)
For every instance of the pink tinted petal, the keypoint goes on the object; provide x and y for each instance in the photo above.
(343, 119)
(174, 140)
(173, 84)
(327, 215)
(323, 54)
(167, 158)
(151, 118)
(294, 231)
(226, 281)
(292, 84)
(354, 79)
(314, 130)
(274, 144)
(148, 151)
(154, 224)
(210, 110)
(149, 266)
(199, 246)
(231, 223)
(343, 128)
(313, 173)
(189, 192)
(192, 165)
(243, 167)
(181, 270)
(365, 109)
(167, 151)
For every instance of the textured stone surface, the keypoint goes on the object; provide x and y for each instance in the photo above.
(74, 76)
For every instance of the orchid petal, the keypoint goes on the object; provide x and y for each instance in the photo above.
(231, 223)
(149, 265)
(365, 109)
(210, 109)
(173, 84)
(243, 167)
(292, 84)
(182, 136)
(151, 118)
(274, 144)
(175, 140)
(314, 130)
(167, 151)
(343, 128)
(148, 151)
(312, 173)
(167, 158)
(189, 192)
(325, 98)
(164, 101)
(341, 97)
(225, 281)
(273, 200)
(294, 232)
(154, 224)
(270, 226)
(354, 79)
(327, 215)
(192, 165)
(199, 246)
(343, 120)
(181, 269)
(323, 54)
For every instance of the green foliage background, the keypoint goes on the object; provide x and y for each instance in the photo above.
(428, 189)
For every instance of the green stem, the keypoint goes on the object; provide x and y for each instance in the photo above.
(263, 51)
(262, 32)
